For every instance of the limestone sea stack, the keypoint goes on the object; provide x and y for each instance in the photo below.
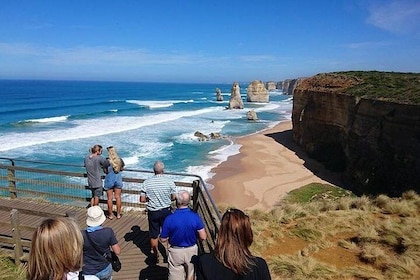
(235, 101)
(219, 96)
(257, 92)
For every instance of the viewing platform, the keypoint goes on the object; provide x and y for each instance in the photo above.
(27, 189)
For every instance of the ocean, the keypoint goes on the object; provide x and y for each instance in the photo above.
(58, 121)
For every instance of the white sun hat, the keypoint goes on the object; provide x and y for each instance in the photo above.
(95, 216)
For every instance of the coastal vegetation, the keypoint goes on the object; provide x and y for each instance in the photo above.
(321, 232)
(392, 86)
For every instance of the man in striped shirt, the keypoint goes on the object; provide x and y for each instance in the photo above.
(158, 191)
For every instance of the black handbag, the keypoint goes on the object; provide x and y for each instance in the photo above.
(112, 257)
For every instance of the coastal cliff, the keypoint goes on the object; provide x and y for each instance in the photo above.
(364, 124)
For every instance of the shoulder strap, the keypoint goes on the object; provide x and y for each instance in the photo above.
(94, 245)
(81, 276)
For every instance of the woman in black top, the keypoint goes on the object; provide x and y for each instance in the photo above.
(232, 258)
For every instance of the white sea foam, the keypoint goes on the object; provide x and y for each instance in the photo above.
(215, 158)
(131, 160)
(267, 107)
(83, 128)
(47, 120)
(276, 92)
(153, 104)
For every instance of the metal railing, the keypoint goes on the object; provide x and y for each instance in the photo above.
(67, 184)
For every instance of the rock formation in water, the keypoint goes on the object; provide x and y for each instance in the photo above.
(271, 86)
(251, 115)
(257, 92)
(219, 96)
(374, 139)
(235, 101)
(203, 137)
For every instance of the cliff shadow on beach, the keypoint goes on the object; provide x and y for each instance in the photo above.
(285, 138)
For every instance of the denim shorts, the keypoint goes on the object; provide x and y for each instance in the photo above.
(105, 274)
(97, 192)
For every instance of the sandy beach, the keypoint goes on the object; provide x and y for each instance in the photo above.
(268, 166)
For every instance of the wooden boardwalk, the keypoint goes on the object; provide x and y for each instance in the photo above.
(131, 231)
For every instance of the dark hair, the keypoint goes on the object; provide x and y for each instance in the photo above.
(95, 149)
(234, 239)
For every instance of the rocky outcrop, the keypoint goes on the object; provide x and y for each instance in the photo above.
(219, 96)
(271, 86)
(235, 101)
(251, 115)
(203, 137)
(257, 92)
(374, 142)
(288, 86)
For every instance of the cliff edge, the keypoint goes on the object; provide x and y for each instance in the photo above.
(364, 124)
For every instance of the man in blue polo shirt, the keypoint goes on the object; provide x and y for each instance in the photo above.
(182, 229)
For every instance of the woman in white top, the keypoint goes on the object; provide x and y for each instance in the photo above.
(56, 251)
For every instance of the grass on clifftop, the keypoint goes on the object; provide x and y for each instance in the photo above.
(393, 86)
(340, 236)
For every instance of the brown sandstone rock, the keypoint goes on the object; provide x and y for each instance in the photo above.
(235, 101)
(251, 115)
(257, 92)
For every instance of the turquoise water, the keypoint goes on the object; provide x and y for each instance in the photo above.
(58, 121)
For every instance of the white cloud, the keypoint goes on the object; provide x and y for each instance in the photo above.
(397, 16)
(367, 45)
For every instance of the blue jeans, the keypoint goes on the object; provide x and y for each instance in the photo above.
(105, 274)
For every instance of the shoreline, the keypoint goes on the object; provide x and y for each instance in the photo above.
(268, 166)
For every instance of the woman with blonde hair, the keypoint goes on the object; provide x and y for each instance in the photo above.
(232, 258)
(56, 251)
(113, 182)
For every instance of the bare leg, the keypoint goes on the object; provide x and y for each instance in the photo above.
(109, 195)
(117, 193)
(95, 200)
(154, 245)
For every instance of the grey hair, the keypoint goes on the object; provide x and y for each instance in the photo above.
(183, 198)
(158, 167)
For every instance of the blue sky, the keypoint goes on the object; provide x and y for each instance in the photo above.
(205, 41)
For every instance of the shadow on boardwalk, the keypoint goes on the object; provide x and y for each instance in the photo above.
(140, 238)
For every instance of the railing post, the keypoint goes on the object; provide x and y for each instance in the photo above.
(196, 193)
(14, 217)
(12, 181)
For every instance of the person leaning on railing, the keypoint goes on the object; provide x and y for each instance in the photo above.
(94, 164)
(113, 182)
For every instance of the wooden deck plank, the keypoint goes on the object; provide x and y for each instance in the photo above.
(131, 231)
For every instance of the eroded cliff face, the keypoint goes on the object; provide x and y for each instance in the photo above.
(375, 143)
